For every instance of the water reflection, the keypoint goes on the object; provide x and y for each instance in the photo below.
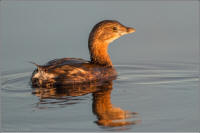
(107, 114)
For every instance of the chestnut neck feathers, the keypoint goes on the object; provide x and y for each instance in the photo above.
(101, 36)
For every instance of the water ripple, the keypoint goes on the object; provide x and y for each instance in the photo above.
(138, 74)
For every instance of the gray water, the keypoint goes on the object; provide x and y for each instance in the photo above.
(164, 97)
(157, 88)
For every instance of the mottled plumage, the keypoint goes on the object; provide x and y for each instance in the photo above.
(67, 71)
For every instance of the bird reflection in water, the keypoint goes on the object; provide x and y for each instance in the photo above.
(107, 114)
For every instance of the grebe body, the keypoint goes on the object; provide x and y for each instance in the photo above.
(69, 71)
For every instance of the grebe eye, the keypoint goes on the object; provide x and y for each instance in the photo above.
(114, 28)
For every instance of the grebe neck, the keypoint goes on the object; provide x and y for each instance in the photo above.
(99, 52)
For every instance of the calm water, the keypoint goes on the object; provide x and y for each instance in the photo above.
(144, 97)
(157, 86)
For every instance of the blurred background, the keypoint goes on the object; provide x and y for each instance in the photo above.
(166, 31)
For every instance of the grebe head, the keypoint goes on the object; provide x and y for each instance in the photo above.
(109, 30)
(102, 34)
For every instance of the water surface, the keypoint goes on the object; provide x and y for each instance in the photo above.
(144, 97)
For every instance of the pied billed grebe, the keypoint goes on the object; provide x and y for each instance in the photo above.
(67, 71)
